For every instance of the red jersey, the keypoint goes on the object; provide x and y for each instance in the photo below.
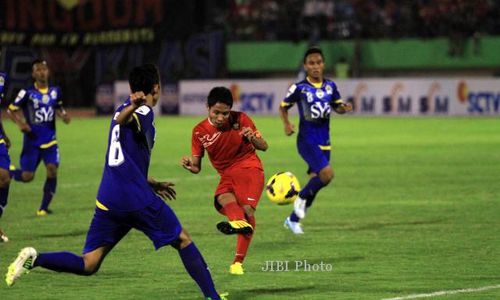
(226, 147)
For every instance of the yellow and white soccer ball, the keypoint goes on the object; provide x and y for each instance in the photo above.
(282, 188)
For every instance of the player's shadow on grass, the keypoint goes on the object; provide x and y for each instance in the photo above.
(252, 293)
(65, 234)
(380, 225)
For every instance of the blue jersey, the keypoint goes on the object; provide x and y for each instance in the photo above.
(39, 106)
(124, 185)
(315, 105)
(3, 83)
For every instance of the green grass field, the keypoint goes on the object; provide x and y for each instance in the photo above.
(414, 208)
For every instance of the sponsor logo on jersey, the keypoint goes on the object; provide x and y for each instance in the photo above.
(329, 90)
(310, 97)
(208, 140)
(320, 93)
(291, 90)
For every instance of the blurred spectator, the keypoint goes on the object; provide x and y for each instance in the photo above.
(342, 69)
(348, 19)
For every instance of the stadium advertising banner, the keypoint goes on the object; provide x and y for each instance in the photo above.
(415, 97)
(71, 23)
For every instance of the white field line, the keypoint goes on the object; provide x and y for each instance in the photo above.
(445, 293)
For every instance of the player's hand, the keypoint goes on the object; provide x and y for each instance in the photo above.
(347, 107)
(289, 129)
(66, 119)
(138, 99)
(187, 162)
(248, 133)
(164, 190)
(25, 128)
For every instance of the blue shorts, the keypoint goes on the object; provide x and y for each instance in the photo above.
(158, 221)
(315, 158)
(4, 157)
(32, 155)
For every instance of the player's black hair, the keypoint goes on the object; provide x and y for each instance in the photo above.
(38, 61)
(220, 94)
(143, 78)
(313, 50)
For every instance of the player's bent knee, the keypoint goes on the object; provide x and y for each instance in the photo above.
(27, 176)
(183, 241)
(326, 176)
(4, 180)
(51, 171)
(91, 267)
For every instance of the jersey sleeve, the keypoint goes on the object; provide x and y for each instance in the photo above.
(59, 97)
(20, 101)
(292, 97)
(336, 98)
(196, 145)
(142, 118)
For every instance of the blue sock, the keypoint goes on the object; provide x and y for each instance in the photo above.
(16, 174)
(61, 262)
(49, 190)
(196, 267)
(311, 189)
(308, 193)
(4, 194)
(293, 217)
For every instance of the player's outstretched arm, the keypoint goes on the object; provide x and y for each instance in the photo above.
(289, 127)
(164, 189)
(136, 99)
(61, 112)
(191, 163)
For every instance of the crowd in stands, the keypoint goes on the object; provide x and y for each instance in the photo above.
(348, 19)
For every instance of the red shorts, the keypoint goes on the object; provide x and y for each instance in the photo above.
(246, 184)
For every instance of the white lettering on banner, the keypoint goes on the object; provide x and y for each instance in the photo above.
(388, 96)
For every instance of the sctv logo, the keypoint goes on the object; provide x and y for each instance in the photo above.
(482, 102)
(254, 102)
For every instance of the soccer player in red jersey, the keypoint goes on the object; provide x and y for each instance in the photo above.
(230, 138)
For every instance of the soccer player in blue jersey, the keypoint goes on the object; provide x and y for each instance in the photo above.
(315, 97)
(34, 112)
(4, 161)
(127, 197)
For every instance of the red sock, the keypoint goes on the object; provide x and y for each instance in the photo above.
(233, 211)
(244, 242)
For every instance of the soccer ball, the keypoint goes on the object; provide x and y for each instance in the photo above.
(282, 188)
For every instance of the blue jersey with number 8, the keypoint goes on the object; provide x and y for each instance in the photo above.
(124, 185)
